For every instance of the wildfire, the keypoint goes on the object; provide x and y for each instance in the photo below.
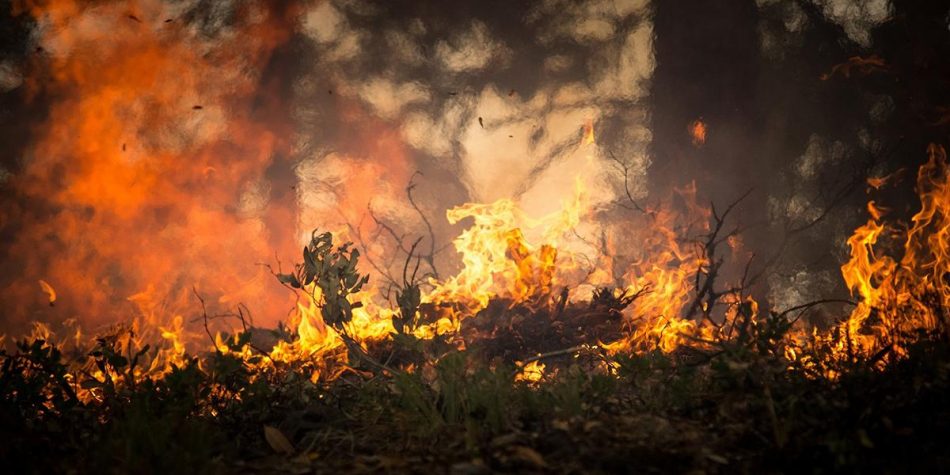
(896, 295)
(117, 183)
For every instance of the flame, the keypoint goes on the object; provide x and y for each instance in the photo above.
(878, 182)
(497, 259)
(158, 137)
(588, 137)
(532, 372)
(150, 120)
(507, 254)
(900, 297)
(49, 291)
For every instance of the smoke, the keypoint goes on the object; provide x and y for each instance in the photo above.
(485, 101)
(187, 142)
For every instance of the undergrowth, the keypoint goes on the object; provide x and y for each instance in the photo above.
(743, 409)
(732, 404)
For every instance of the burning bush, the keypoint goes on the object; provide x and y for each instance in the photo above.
(528, 361)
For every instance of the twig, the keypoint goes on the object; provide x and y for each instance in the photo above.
(566, 351)
(430, 258)
(804, 307)
(204, 315)
(626, 187)
(706, 291)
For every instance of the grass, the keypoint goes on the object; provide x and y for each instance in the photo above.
(743, 410)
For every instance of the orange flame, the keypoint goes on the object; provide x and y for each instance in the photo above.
(896, 297)
(151, 120)
(159, 159)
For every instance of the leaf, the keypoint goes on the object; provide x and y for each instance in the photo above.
(278, 441)
(528, 456)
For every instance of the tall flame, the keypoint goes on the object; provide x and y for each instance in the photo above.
(898, 298)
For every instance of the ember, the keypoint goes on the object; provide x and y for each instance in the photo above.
(697, 130)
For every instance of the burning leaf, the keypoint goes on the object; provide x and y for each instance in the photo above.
(50, 291)
(278, 441)
(860, 65)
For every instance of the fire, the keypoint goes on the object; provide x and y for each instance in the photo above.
(588, 138)
(49, 291)
(154, 120)
(154, 133)
(532, 372)
(896, 296)
(899, 297)
(497, 260)
(697, 131)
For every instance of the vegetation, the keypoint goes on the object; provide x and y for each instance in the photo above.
(735, 404)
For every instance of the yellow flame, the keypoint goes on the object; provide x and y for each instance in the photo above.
(896, 297)
(588, 137)
(532, 372)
